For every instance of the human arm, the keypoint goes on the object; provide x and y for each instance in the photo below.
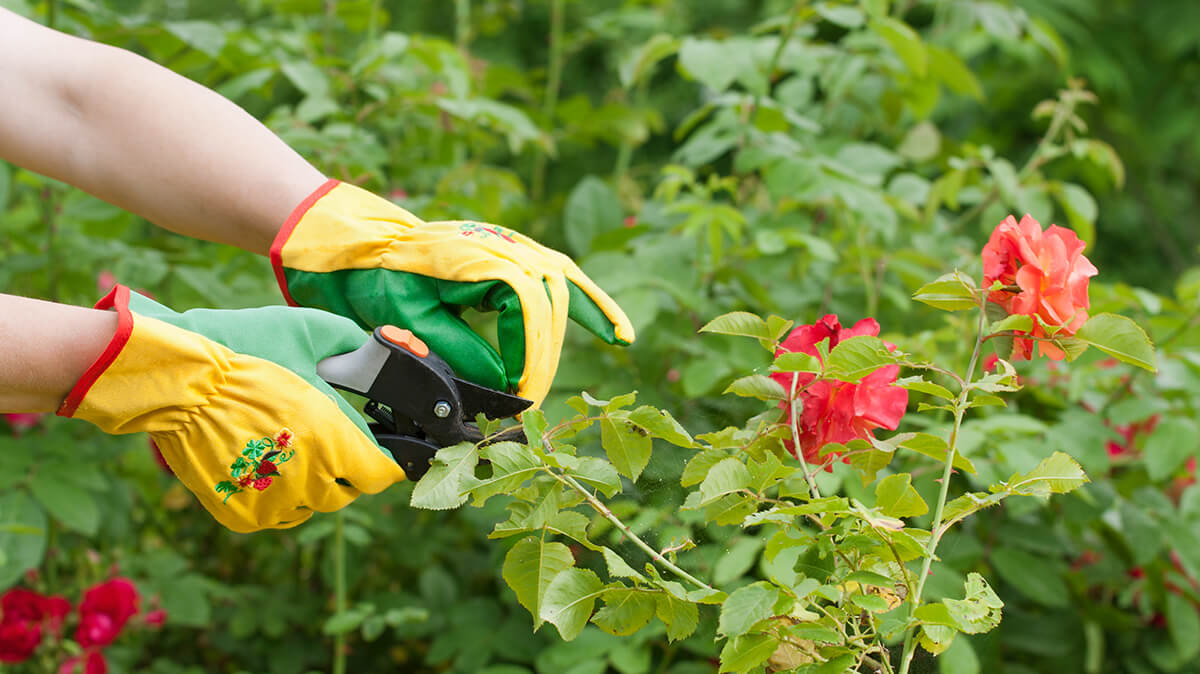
(47, 348)
(143, 138)
(154, 143)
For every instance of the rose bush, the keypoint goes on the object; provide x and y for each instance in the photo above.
(794, 160)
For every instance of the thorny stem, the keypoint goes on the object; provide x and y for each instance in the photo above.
(599, 507)
(812, 482)
(960, 407)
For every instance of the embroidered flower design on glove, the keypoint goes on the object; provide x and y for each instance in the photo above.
(258, 464)
(470, 228)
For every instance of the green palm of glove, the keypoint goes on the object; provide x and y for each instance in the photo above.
(293, 338)
(353, 253)
(432, 308)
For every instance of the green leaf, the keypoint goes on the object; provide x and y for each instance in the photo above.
(592, 208)
(662, 425)
(846, 17)
(738, 559)
(950, 70)
(1034, 577)
(1058, 474)
(512, 464)
(569, 601)
(936, 448)
(641, 61)
(1169, 445)
(1006, 180)
(71, 505)
(530, 566)
(970, 503)
(727, 476)
(922, 142)
(1120, 338)
(796, 361)
(618, 567)
(534, 423)
(351, 618)
(949, 292)
(979, 610)
(23, 531)
(1018, 322)
(714, 64)
(201, 35)
(698, 466)
(628, 446)
(870, 602)
(1081, 210)
(1183, 624)
(922, 386)
(896, 497)
(740, 323)
(959, 658)
(905, 41)
(594, 472)
(741, 654)
(855, 358)
(441, 487)
(680, 617)
(936, 638)
(745, 608)
(757, 386)
(625, 611)
(870, 462)
(307, 78)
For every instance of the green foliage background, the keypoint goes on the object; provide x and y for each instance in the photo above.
(696, 158)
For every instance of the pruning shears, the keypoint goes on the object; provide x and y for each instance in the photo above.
(418, 405)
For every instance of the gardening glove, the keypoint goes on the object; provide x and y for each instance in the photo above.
(233, 400)
(348, 251)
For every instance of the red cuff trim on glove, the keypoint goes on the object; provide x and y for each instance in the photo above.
(117, 298)
(285, 232)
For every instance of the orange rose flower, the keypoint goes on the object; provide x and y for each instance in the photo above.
(1046, 276)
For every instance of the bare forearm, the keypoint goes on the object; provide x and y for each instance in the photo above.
(47, 348)
(141, 137)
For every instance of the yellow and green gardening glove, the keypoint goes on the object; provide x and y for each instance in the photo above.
(348, 251)
(233, 400)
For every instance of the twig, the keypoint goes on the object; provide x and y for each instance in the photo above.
(599, 507)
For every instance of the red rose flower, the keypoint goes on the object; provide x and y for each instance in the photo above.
(262, 483)
(837, 411)
(155, 618)
(92, 663)
(26, 606)
(1046, 276)
(18, 639)
(266, 467)
(104, 611)
(21, 605)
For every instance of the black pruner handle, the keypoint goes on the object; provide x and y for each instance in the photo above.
(413, 455)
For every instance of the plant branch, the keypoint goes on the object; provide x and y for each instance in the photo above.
(793, 424)
(960, 408)
(599, 507)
